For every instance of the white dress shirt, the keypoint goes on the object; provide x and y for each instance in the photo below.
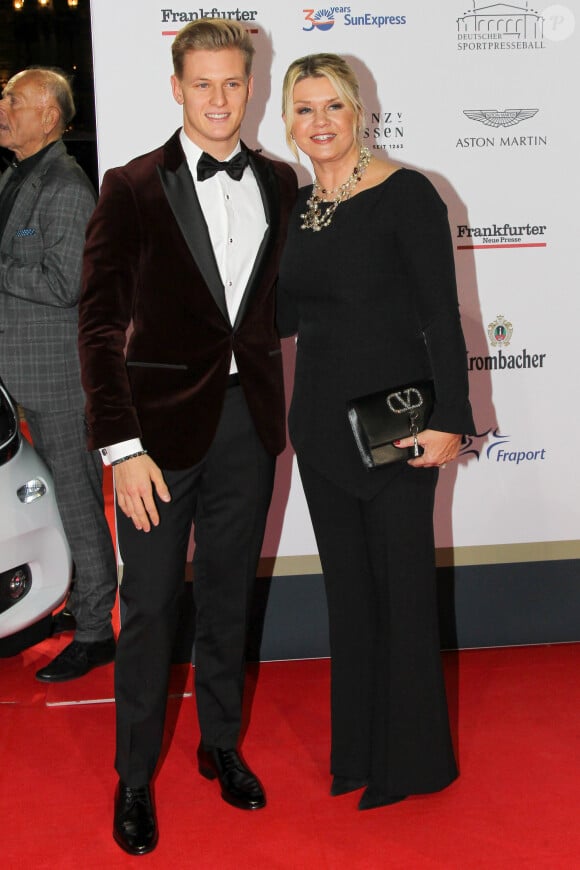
(236, 222)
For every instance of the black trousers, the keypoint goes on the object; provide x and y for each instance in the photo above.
(388, 706)
(226, 496)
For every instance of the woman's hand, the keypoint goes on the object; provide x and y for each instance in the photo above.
(439, 448)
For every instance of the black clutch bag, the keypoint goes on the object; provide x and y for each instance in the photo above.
(381, 418)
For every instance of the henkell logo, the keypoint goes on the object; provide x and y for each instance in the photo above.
(500, 27)
(385, 131)
(495, 236)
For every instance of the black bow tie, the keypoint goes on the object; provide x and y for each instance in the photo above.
(208, 166)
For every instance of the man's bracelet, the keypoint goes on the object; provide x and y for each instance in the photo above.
(131, 456)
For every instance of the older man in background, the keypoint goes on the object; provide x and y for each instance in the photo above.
(45, 203)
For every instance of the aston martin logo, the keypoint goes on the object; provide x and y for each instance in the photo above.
(500, 117)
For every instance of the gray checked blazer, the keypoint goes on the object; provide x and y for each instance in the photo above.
(40, 268)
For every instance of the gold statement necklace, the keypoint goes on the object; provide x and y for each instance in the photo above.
(314, 218)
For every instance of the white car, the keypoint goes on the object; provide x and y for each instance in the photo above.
(35, 560)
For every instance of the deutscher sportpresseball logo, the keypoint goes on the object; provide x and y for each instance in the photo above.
(494, 27)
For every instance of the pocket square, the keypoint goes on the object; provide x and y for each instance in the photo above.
(25, 231)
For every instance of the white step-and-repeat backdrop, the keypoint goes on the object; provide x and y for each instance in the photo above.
(483, 100)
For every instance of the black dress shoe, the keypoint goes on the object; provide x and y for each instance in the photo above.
(135, 825)
(344, 785)
(373, 797)
(63, 621)
(77, 659)
(240, 787)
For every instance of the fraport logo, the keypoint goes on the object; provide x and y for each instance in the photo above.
(323, 19)
(498, 451)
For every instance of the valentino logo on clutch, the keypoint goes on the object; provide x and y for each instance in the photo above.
(379, 419)
(404, 401)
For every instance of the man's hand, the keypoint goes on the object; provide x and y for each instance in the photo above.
(439, 448)
(134, 482)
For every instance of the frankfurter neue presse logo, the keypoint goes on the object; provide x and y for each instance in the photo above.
(498, 235)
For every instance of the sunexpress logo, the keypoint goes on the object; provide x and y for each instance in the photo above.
(325, 19)
(322, 19)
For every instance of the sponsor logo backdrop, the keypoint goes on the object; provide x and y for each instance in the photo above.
(478, 98)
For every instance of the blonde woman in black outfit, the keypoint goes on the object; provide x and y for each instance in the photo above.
(367, 283)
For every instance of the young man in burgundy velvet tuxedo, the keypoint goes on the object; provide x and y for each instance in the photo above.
(191, 415)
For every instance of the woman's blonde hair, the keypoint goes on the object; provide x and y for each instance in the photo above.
(338, 72)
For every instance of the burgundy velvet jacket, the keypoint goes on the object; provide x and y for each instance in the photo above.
(149, 267)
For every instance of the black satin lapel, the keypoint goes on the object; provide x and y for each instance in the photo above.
(268, 186)
(180, 191)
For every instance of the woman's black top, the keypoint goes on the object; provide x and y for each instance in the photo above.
(373, 300)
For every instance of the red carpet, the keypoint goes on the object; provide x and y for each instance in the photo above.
(515, 715)
(516, 721)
